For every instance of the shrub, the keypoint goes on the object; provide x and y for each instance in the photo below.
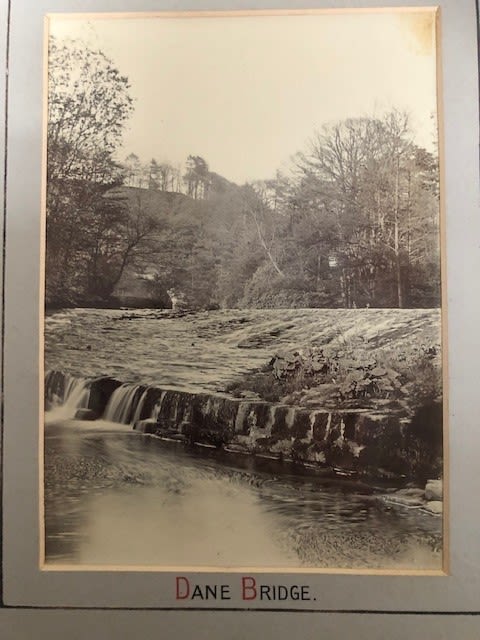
(352, 375)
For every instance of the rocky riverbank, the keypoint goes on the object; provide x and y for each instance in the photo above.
(428, 499)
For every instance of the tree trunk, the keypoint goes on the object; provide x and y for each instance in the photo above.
(398, 269)
(265, 246)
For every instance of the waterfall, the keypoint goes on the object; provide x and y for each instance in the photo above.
(138, 411)
(157, 409)
(290, 418)
(123, 403)
(328, 428)
(54, 390)
(242, 413)
(63, 399)
(313, 419)
(271, 420)
(176, 398)
(204, 418)
(77, 394)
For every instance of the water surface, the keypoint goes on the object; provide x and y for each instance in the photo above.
(115, 497)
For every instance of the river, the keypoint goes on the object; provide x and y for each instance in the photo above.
(117, 497)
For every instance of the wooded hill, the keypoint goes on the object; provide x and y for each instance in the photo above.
(281, 243)
(353, 222)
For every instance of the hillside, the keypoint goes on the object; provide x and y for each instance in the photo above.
(134, 288)
(180, 251)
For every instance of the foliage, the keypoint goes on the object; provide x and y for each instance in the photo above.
(350, 376)
(93, 233)
(88, 106)
(366, 191)
(267, 289)
(352, 223)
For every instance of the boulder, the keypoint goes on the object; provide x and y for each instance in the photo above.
(434, 506)
(85, 414)
(434, 490)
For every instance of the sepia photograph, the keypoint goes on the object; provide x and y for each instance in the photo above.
(243, 312)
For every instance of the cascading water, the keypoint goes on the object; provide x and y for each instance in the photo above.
(124, 404)
(242, 414)
(64, 401)
(77, 395)
(201, 417)
(157, 409)
(138, 411)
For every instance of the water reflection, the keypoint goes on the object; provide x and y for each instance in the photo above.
(115, 497)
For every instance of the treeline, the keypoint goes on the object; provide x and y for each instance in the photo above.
(193, 179)
(353, 223)
(356, 224)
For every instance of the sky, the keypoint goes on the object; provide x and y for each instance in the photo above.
(247, 93)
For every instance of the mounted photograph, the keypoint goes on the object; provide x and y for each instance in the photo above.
(243, 331)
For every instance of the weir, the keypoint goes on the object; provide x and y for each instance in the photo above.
(356, 440)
